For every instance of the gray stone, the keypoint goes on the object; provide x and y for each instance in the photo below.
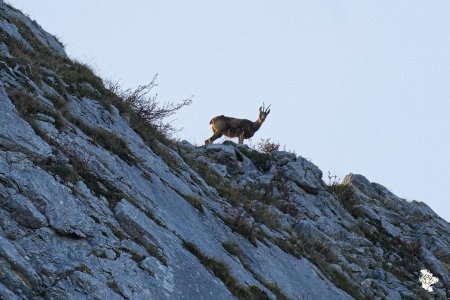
(62, 210)
(368, 211)
(4, 50)
(6, 293)
(154, 266)
(419, 212)
(133, 248)
(78, 222)
(304, 174)
(87, 87)
(10, 227)
(391, 229)
(23, 210)
(13, 32)
(136, 224)
(22, 268)
(41, 35)
(110, 254)
(44, 118)
(16, 134)
(283, 155)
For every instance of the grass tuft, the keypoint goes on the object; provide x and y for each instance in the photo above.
(195, 201)
(234, 249)
(106, 139)
(28, 107)
(222, 271)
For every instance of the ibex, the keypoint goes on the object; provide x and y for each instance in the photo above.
(240, 128)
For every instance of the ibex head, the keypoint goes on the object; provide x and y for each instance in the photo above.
(263, 113)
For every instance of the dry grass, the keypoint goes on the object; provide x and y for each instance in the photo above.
(223, 272)
(195, 201)
(106, 139)
(28, 107)
(234, 249)
(147, 115)
(266, 146)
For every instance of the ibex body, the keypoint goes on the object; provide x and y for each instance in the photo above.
(233, 127)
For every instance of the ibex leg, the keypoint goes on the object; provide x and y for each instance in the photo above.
(241, 138)
(213, 138)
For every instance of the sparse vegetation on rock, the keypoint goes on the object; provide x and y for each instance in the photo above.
(97, 201)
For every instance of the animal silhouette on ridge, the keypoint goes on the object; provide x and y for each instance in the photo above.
(233, 127)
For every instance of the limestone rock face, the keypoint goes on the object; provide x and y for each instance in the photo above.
(90, 209)
(16, 134)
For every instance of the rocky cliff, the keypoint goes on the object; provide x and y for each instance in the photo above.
(96, 205)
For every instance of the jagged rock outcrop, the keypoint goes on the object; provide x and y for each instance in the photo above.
(92, 209)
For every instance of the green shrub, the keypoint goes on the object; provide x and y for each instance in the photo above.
(112, 143)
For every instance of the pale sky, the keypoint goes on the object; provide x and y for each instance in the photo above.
(355, 86)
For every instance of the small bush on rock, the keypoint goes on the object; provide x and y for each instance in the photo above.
(266, 146)
(147, 115)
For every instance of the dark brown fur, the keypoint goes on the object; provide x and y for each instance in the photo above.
(233, 127)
